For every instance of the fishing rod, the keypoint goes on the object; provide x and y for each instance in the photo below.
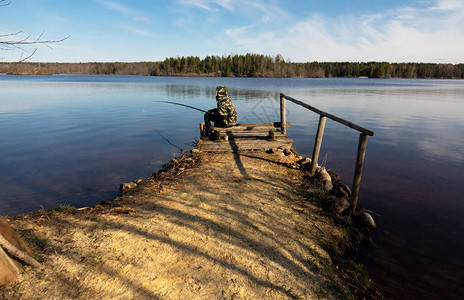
(183, 105)
(169, 142)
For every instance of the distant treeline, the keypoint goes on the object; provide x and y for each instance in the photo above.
(249, 65)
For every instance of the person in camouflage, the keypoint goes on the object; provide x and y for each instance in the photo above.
(225, 114)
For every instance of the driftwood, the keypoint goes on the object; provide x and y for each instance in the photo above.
(15, 252)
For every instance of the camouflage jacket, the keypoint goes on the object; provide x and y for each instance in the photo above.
(226, 109)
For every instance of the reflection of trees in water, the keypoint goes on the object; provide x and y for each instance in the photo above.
(253, 106)
(187, 91)
(191, 91)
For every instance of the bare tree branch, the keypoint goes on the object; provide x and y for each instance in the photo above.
(4, 4)
(15, 41)
(28, 57)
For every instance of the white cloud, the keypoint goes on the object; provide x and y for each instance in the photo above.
(117, 7)
(209, 5)
(142, 19)
(448, 5)
(131, 29)
(406, 34)
(255, 9)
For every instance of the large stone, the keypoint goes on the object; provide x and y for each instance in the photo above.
(335, 177)
(305, 163)
(287, 151)
(9, 267)
(8, 271)
(368, 221)
(341, 190)
(324, 178)
(11, 236)
(289, 159)
(127, 186)
(339, 205)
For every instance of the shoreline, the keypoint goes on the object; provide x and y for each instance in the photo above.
(90, 237)
(220, 76)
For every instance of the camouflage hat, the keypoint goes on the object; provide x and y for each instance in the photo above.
(221, 90)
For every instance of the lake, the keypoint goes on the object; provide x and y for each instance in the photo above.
(72, 139)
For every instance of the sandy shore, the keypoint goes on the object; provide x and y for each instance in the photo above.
(212, 226)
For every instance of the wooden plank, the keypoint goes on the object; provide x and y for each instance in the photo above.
(207, 145)
(256, 139)
(245, 128)
(245, 142)
(229, 148)
(255, 133)
(274, 124)
(330, 116)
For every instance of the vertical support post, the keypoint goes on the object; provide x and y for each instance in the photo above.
(202, 129)
(358, 171)
(283, 116)
(317, 143)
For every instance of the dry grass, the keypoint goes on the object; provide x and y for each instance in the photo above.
(232, 227)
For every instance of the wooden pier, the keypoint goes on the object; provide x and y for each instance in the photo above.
(264, 136)
(243, 137)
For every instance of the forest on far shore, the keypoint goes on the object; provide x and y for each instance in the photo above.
(249, 65)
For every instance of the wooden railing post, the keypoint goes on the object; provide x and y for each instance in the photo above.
(283, 116)
(358, 170)
(317, 143)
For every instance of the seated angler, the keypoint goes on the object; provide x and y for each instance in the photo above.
(224, 115)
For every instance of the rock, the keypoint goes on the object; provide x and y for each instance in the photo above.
(324, 178)
(341, 190)
(11, 236)
(280, 153)
(368, 221)
(290, 159)
(126, 186)
(8, 271)
(305, 163)
(271, 151)
(277, 151)
(335, 177)
(194, 151)
(288, 152)
(9, 267)
(339, 205)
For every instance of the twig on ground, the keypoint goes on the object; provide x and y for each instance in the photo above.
(11, 249)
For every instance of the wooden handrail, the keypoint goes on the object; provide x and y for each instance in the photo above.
(330, 116)
(317, 143)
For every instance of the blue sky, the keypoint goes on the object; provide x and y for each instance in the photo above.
(300, 30)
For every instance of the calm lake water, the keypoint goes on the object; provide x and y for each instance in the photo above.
(74, 139)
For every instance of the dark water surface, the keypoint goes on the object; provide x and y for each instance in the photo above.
(74, 139)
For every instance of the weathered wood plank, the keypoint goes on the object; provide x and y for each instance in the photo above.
(206, 145)
(254, 133)
(245, 128)
(274, 124)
